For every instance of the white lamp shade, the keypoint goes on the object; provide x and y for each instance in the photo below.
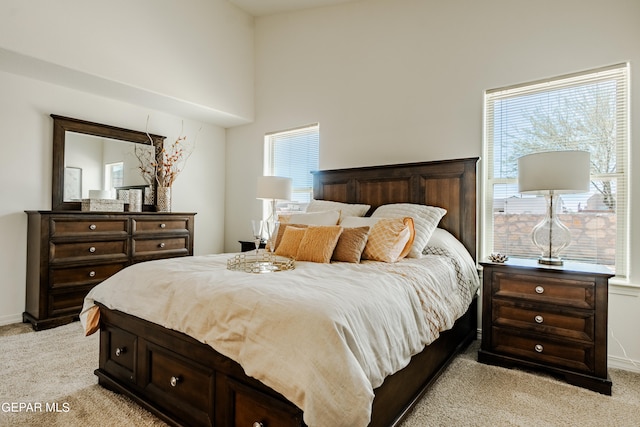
(557, 171)
(274, 188)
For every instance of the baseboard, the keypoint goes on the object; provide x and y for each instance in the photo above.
(10, 319)
(624, 364)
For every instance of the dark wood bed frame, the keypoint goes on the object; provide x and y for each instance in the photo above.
(185, 382)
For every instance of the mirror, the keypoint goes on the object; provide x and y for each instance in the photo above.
(91, 156)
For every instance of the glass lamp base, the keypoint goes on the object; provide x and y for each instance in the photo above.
(550, 261)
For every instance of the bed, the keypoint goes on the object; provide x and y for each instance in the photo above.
(175, 372)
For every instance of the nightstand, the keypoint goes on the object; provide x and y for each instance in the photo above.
(250, 245)
(552, 318)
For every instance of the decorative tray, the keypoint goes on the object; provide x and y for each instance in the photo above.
(263, 262)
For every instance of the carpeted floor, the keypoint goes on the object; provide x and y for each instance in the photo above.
(54, 369)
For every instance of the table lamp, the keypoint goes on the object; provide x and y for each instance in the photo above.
(552, 173)
(274, 188)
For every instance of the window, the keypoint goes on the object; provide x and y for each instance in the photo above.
(113, 175)
(294, 154)
(585, 111)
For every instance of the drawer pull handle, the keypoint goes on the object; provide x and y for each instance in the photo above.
(92, 274)
(258, 424)
(92, 249)
(539, 348)
(163, 225)
(162, 245)
(174, 381)
(92, 227)
(539, 319)
(539, 290)
(120, 351)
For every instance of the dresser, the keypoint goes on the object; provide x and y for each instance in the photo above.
(69, 252)
(552, 318)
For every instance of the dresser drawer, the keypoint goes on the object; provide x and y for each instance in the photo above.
(157, 247)
(180, 385)
(546, 289)
(62, 227)
(95, 250)
(541, 349)
(119, 353)
(84, 275)
(575, 324)
(156, 225)
(254, 408)
(67, 301)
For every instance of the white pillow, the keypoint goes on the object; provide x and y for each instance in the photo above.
(425, 219)
(313, 218)
(347, 209)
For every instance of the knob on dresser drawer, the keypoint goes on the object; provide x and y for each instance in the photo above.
(92, 227)
(258, 424)
(163, 225)
(92, 249)
(161, 245)
(120, 351)
(539, 290)
(175, 380)
(539, 348)
(539, 319)
(92, 274)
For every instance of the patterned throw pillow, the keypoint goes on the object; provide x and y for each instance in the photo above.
(426, 219)
(389, 239)
(351, 244)
(318, 243)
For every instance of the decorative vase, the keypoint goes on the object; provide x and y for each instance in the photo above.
(135, 200)
(164, 199)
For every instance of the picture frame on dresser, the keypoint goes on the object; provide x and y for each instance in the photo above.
(547, 318)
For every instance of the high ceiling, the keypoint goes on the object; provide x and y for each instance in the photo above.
(269, 7)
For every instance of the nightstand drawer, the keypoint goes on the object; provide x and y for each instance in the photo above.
(545, 289)
(540, 349)
(573, 324)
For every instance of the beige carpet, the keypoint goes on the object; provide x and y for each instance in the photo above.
(56, 367)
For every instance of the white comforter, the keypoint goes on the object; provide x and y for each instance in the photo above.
(323, 335)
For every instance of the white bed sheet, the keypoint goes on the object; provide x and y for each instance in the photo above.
(322, 335)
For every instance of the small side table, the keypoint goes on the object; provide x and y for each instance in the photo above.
(250, 245)
(552, 318)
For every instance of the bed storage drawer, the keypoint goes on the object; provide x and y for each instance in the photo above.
(179, 385)
(252, 408)
(119, 350)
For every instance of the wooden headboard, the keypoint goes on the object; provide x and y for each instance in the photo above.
(450, 184)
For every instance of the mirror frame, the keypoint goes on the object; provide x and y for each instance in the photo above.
(63, 124)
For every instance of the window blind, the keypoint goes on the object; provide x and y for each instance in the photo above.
(294, 153)
(583, 111)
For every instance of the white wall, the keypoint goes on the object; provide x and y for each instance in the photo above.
(197, 52)
(394, 81)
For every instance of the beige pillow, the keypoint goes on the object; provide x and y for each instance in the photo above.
(426, 219)
(388, 239)
(280, 233)
(290, 242)
(318, 243)
(351, 244)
